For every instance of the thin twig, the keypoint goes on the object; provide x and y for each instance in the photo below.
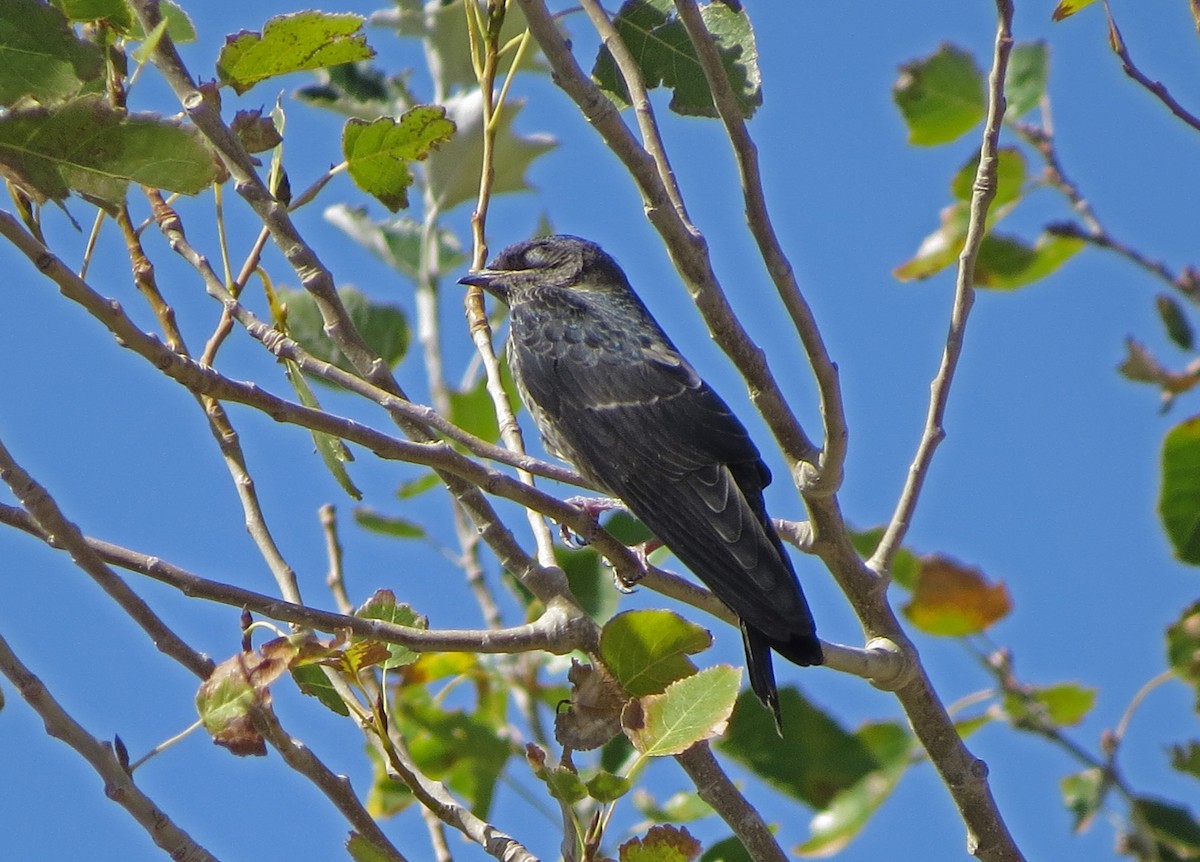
(828, 478)
(683, 241)
(118, 783)
(477, 320)
(335, 579)
(556, 631)
(984, 190)
(434, 796)
(466, 479)
(1156, 88)
(219, 424)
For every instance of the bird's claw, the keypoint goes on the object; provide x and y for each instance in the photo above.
(593, 507)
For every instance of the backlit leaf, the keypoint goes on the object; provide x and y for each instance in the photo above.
(941, 97)
(688, 711)
(453, 170)
(1026, 81)
(953, 600)
(1179, 497)
(87, 147)
(662, 843)
(291, 43)
(648, 649)
(1067, 8)
(378, 152)
(666, 57)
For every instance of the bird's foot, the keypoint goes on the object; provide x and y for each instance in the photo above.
(643, 551)
(593, 507)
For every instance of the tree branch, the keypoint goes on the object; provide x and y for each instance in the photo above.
(683, 241)
(715, 788)
(556, 631)
(983, 191)
(828, 478)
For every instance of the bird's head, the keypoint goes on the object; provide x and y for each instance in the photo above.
(549, 263)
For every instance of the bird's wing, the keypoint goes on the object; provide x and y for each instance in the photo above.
(663, 441)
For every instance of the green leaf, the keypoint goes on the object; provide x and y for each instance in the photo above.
(466, 751)
(647, 650)
(397, 241)
(383, 326)
(291, 43)
(729, 849)
(1179, 497)
(333, 452)
(473, 411)
(1179, 330)
(606, 787)
(378, 152)
(40, 57)
(87, 147)
(416, 487)
(387, 525)
(683, 807)
(1062, 705)
(1186, 758)
(1010, 179)
(358, 90)
(362, 850)
(383, 606)
(627, 529)
(1067, 8)
(311, 680)
(115, 12)
(688, 711)
(662, 843)
(1083, 793)
(590, 581)
(666, 57)
(1025, 84)
(387, 796)
(834, 827)
(452, 171)
(941, 97)
(1173, 827)
(815, 759)
(939, 249)
(1005, 263)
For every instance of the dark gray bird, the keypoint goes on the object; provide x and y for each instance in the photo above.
(611, 394)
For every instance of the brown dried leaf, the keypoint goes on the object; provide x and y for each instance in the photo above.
(594, 715)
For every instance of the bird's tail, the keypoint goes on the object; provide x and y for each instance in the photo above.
(761, 671)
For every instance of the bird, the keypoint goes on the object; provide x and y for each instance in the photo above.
(611, 394)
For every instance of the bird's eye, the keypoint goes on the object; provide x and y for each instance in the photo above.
(535, 258)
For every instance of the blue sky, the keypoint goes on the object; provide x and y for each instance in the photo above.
(1047, 479)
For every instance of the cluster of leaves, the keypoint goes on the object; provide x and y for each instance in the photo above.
(941, 97)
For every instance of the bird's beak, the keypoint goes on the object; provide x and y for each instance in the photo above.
(480, 278)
